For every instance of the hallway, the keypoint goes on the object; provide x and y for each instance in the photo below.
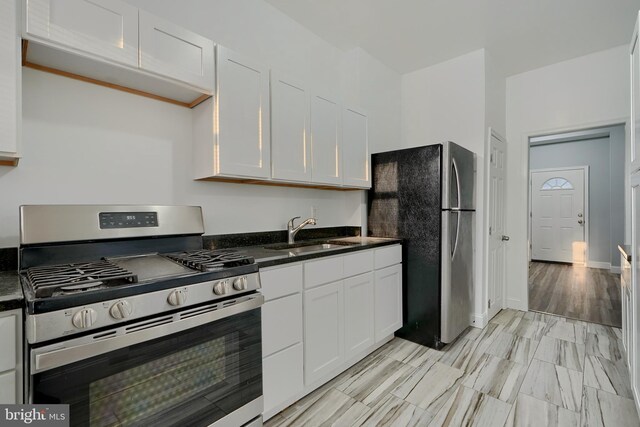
(588, 294)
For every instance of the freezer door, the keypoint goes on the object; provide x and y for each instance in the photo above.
(457, 272)
(459, 175)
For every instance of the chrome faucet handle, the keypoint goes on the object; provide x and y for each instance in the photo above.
(290, 224)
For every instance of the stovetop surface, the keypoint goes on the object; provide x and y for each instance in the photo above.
(61, 286)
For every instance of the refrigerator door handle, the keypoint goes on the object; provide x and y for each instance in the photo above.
(454, 172)
(454, 244)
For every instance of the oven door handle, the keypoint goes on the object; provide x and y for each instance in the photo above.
(43, 359)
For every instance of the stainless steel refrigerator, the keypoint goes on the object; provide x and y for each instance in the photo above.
(426, 196)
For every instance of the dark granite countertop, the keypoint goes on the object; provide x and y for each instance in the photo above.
(11, 296)
(625, 250)
(268, 257)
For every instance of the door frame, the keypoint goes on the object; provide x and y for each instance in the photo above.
(519, 272)
(487, 210)
(585, 170)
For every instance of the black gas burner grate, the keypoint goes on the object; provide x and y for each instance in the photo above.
(206, 260)
(70, 278)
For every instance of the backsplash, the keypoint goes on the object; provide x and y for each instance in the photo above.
(9, 256)
(222, 241)
(8, 259)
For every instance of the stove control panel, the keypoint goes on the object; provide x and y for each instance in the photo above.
(128, 219)
(70, 321)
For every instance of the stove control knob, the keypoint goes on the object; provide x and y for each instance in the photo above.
(240, 284)
(220, 288)
(121, 310)
(177, 297)
(84, 318)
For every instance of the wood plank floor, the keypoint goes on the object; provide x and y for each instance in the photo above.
(588, 294)
(523, 369)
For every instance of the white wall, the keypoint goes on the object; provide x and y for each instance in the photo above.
(87, 144)
(446, 102)
(583, 92)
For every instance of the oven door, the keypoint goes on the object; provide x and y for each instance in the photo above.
(197, 367)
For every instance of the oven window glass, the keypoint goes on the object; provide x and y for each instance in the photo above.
(192, 378)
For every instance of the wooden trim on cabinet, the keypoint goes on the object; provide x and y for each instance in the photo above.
(199, 100)
(12, 162)
(278, 183)
(104, 84)
(25, 63)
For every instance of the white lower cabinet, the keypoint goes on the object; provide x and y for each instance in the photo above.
(8, 387)
(358, 314)
(388, 296)
(323, 330)
(282, 377)
(11, 356)
(322, 316)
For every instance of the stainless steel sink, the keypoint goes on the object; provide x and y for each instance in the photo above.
(303, 248)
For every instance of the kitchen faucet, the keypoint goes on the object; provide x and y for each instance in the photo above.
(291, 231)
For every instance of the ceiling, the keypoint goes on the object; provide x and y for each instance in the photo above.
(520, 35)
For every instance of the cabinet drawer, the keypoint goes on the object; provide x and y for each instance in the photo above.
(282, 376)
(323, 271)
(8, 350)
(387, 256)
(358, 263)
(281, 323)
(278, 282)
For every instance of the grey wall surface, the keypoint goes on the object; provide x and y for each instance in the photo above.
(605, 158)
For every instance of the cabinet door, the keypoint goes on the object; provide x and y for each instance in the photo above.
(323, 331)
(355, 149)
(242, 147)
(169, 50)
(388, 301)
(634, 304)
(10, 88)
(104, 28)
(325, 141)
(358, 314)
(290, 153)
(8, 389)
(282, 378)
(635, 99)
(281, 323)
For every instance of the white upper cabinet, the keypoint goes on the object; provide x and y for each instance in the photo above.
(104, 28)
(325, 140)
(10, 87)
(635, 99)
(231, 132)
(169, 50)
(355, 149)
(290, 150)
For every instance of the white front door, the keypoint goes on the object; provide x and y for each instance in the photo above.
(558, 215)
(497, 239)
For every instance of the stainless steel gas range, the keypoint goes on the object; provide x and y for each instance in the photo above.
(130, 322)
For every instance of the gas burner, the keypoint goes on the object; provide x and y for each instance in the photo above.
(205, 260)
(70, 278)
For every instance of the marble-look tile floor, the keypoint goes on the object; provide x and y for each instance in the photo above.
(522, 369)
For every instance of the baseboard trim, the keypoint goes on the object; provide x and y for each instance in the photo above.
(599, 264)
(516, 304)
(479, 320)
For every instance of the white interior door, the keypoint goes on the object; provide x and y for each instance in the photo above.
(497, 239)
(558, 215)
